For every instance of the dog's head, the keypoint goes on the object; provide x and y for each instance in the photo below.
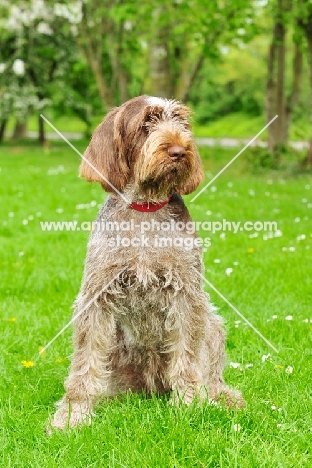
(146, 143)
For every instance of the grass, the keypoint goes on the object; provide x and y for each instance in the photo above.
(40, 277)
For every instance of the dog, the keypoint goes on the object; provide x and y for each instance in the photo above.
(142, 320)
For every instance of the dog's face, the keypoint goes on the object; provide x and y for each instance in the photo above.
(145, 143)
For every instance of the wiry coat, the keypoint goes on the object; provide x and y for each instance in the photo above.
(143, 320)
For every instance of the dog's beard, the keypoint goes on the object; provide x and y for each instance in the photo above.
(156, 174)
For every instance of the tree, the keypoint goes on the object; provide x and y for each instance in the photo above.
(276, 100)
(305, 23)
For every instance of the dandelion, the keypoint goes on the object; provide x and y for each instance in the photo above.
(250, 250)
(279, 366)
(237, 427)
(289, 370)
(12, 319)
(28, 363)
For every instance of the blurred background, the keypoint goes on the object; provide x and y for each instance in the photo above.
(237, 63)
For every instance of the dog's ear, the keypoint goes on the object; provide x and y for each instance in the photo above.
(104, 159)
(196, 177)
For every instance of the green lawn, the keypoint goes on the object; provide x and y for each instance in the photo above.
(270, 280)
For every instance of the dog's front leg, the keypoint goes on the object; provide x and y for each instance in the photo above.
(94, 332)
(183, 344)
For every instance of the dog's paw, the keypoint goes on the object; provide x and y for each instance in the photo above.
(230, 398)
(70, 415)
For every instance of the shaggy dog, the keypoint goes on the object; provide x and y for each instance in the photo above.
(143, 321)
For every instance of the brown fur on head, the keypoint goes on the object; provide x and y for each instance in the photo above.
(130, 148)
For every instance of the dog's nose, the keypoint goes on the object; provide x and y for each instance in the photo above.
(176, 152)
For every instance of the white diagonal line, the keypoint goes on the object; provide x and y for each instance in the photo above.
(82, 310)
(237, 311)
(85, 159)
(232, 160)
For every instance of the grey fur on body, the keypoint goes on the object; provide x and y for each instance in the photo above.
(153, 327)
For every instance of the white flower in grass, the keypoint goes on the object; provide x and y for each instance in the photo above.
(278, 233)
(228, 271)
(216, 260)
(11, 214)
(235, 365)
(274, 316)
(301, 237)
(248, 366)
(289, 317)
(208, 212)
(213, 189)
(237, 427)
(292, 249)
(297, 220)
(289, 370)
(2, 67)
(265, 357)
(273, 407)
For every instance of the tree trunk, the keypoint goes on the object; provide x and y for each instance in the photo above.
(20, 130)
(41, 132)
(294, 95)
(309, 38)
(270, 91)
(3, 125)
(160, 69)
(280, 83)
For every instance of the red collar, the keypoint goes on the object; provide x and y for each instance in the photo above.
(148, 207)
